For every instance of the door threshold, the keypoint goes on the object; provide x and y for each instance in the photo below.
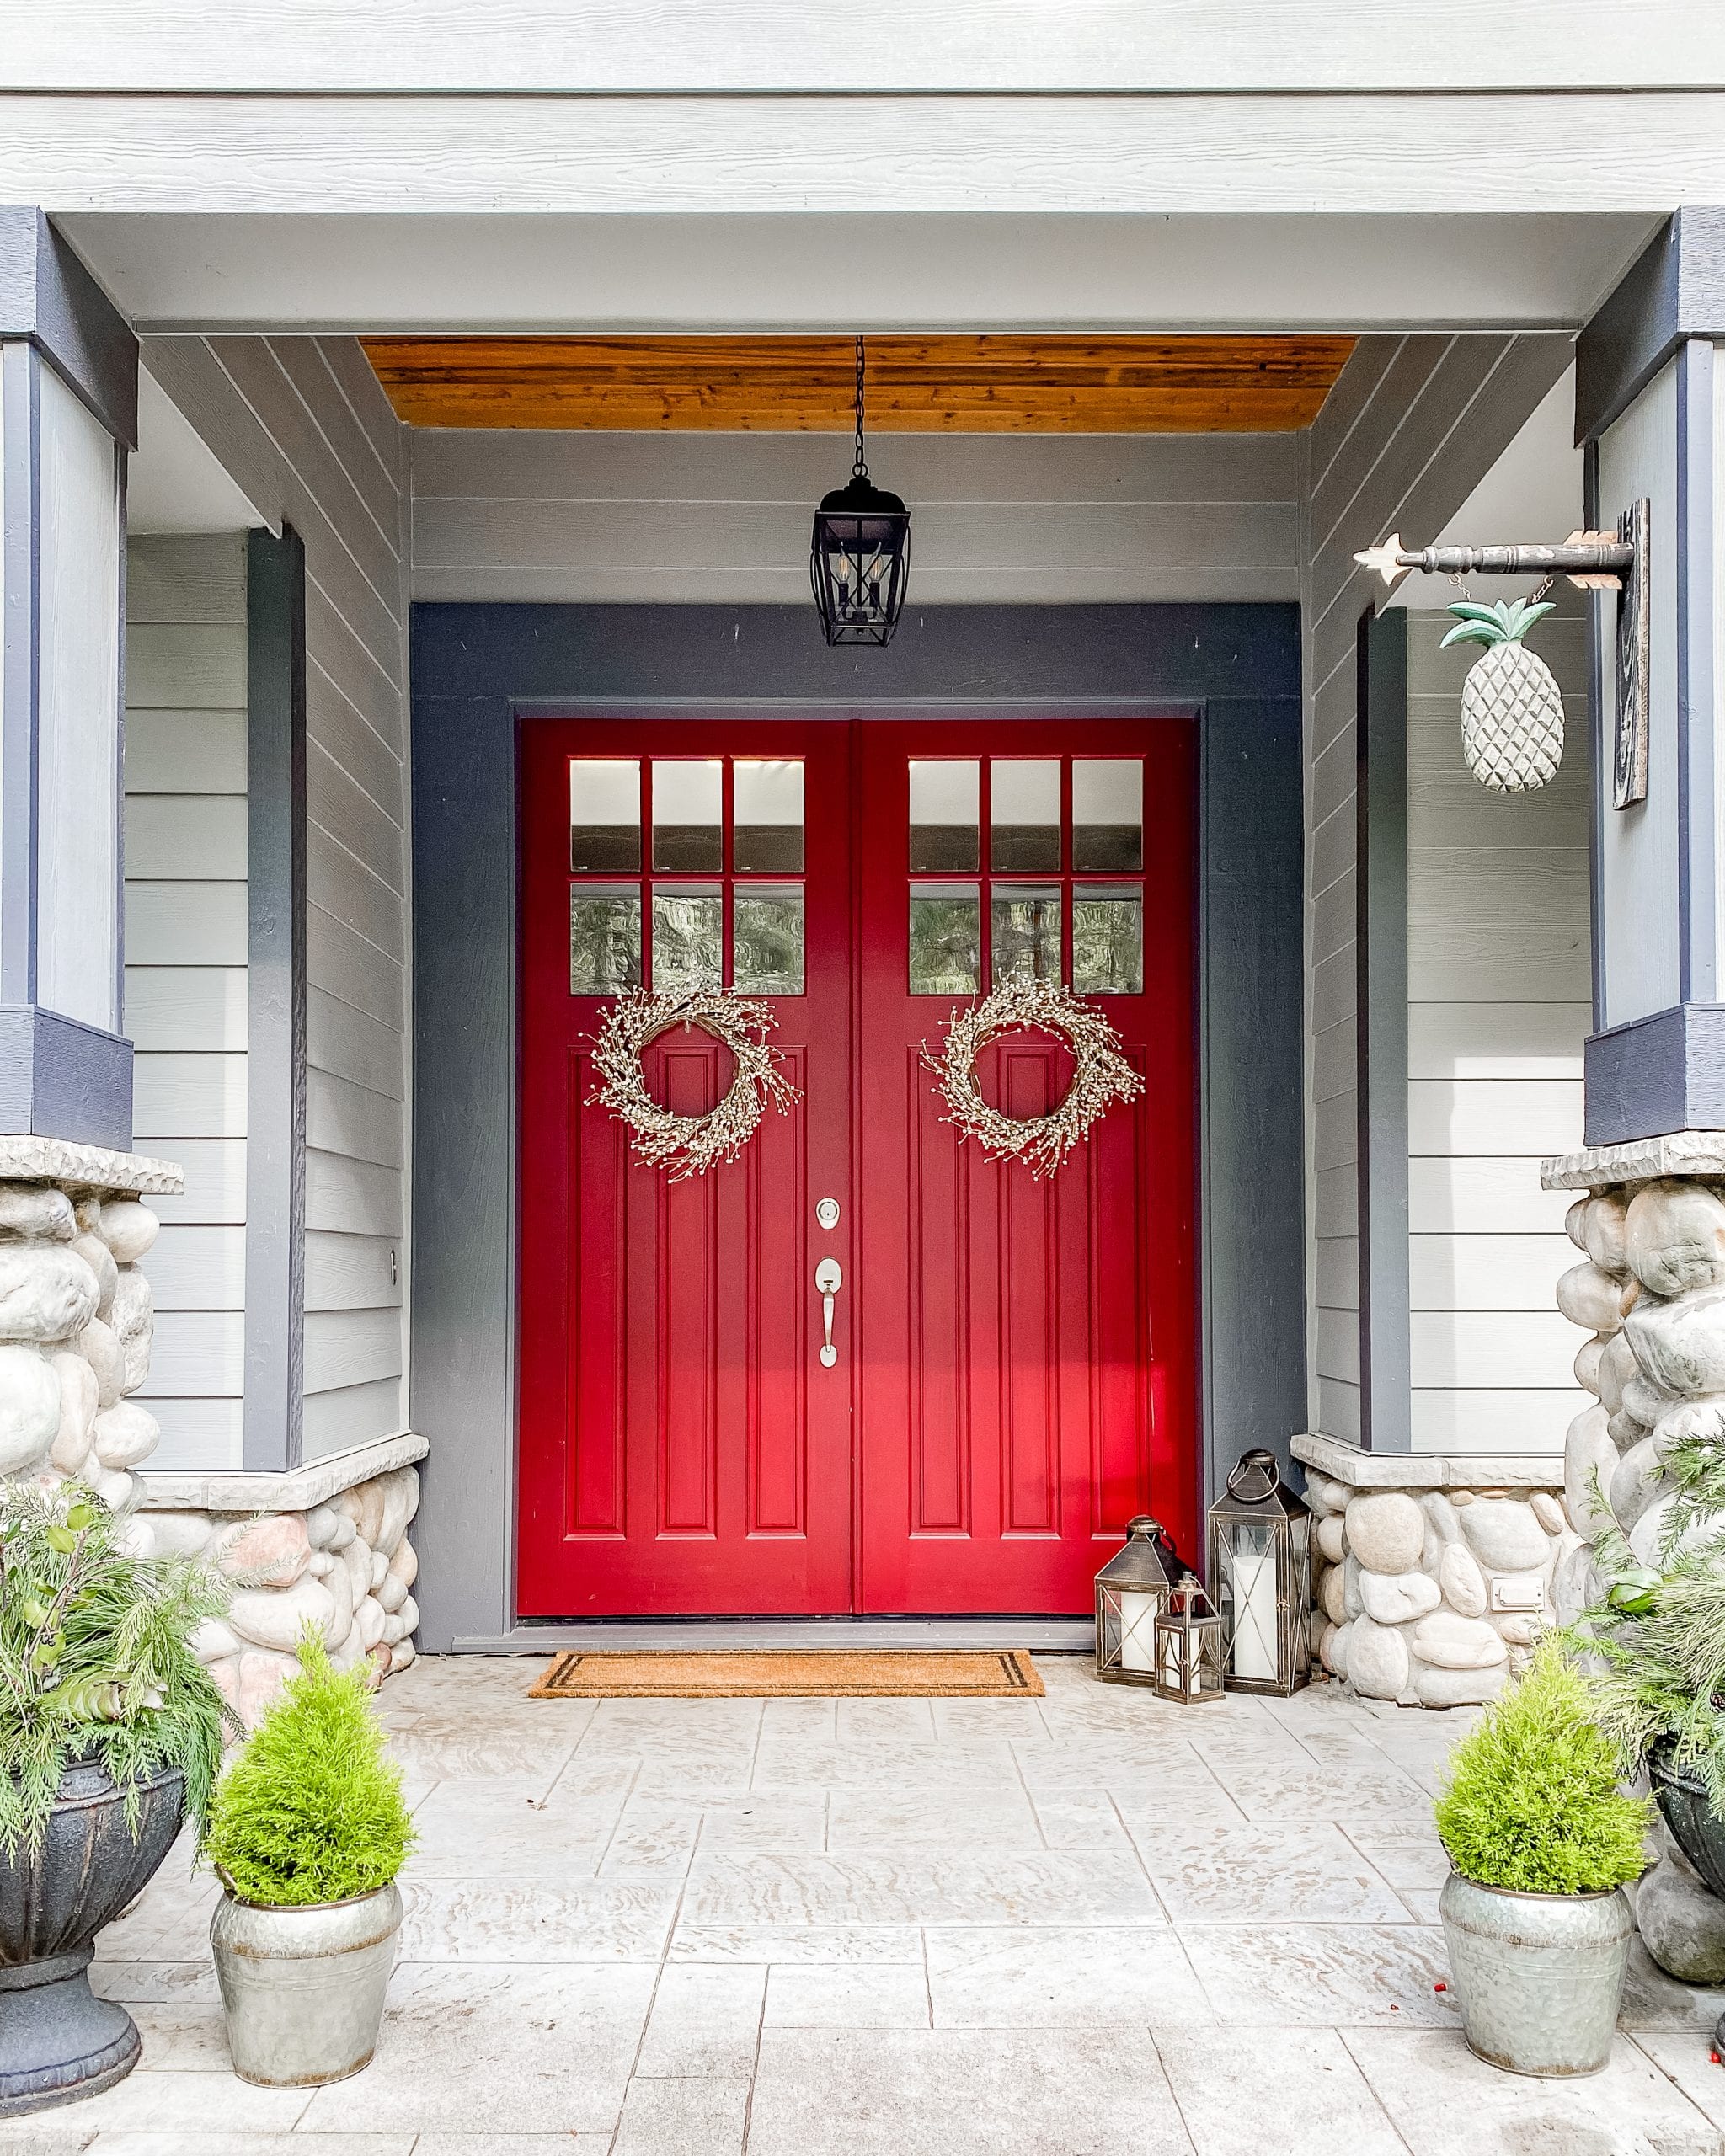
(685, 1635)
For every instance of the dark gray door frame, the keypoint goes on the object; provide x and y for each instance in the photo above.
(480, 672)
(275, 1000)
(1380, 957)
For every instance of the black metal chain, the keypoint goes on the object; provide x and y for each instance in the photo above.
(859, 463)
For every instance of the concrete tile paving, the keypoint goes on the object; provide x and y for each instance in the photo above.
(1067, 1927)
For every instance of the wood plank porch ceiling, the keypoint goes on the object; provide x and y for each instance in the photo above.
(916, 385)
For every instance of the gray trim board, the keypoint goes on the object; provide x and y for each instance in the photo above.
(479, 670)
(59, 1078)
(1654, 1075)
(1381, 949)
(1697, 956)
(1674, 289)
(1601, 663)
(276, 999)
(47, 296)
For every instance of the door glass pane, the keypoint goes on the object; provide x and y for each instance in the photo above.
(1108, 939)
(1023, 813)
(1108, 813)
(605, 940)
(1026, 923)
(946, 939)
(944, 800)
(688, 938)
(605, 818)
(688, 817)
(766, 938)
(766, 818)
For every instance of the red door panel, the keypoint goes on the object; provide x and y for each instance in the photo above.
(1015, 1374)
(682, 1450)
(1027, 1379)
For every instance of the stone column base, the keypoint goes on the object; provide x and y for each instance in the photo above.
(1434, 1574)
(324, 1547)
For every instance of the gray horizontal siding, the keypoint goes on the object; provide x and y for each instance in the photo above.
(1412, 426)
(306, 433)
(185, 978)
(1499, 974)
(600, 516)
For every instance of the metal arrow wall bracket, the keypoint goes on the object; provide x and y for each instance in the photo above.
(1593, 560)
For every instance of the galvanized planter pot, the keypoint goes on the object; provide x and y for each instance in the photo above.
(58, 2041)
(1540, 1976)
(303, 1987)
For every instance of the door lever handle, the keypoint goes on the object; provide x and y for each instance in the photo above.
(829, 1279)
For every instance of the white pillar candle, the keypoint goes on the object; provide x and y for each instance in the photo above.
(1138, 1632)
(1254, 1613)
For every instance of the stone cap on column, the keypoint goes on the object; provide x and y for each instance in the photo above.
(88, 1167)
(293, 1489)
(1427, 1470)
(1699, 1153)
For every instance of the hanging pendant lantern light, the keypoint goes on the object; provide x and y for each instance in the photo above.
(860, 555)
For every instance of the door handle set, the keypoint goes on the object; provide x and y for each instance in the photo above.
(829, 1279)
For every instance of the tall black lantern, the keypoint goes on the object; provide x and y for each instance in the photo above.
(1260, 1578)
(860, 555)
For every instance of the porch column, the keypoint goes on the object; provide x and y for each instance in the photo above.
(1650, 1213)
(68, 412)
(1646, 395)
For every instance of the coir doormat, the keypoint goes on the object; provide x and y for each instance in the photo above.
(895, 1674)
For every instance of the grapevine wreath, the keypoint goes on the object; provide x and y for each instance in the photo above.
(1102, 1076)
(689, 1144)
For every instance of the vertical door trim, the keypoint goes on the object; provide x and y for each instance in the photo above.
(1380, 958)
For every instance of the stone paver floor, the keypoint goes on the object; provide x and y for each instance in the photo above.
(1089, 1925)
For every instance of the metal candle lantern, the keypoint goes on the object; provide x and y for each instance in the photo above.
(1132, 1590)
(1260, 1574)
(859, 556)
(1189, 1646)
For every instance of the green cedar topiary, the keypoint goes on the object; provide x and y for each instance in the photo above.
(1532, 1803)
(311, 1810)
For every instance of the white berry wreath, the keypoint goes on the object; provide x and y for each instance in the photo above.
(1042, 1142)
(689, 1144)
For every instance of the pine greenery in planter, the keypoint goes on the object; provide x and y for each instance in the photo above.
(1658, 1646)
(310, 1811)
(1532, 1804)
(95, 1663)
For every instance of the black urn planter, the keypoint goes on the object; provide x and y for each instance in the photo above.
(58, 2041)
(1684, 1804)
(1687, 1813)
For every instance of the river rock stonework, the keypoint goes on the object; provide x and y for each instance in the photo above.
(1649, 1291)
(76, 1321)
(1430, 1593)
(344, 1569)
(76, 1324)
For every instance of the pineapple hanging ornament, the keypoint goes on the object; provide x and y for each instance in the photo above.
(1512, 711)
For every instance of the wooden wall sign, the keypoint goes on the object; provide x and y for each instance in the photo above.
(1629, 776)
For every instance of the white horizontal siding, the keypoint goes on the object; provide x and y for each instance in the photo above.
(682, 45)
(305, 432)
(185, 975)
(1500, 988)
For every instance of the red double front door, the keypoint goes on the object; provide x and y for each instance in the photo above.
(1014, 1374)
